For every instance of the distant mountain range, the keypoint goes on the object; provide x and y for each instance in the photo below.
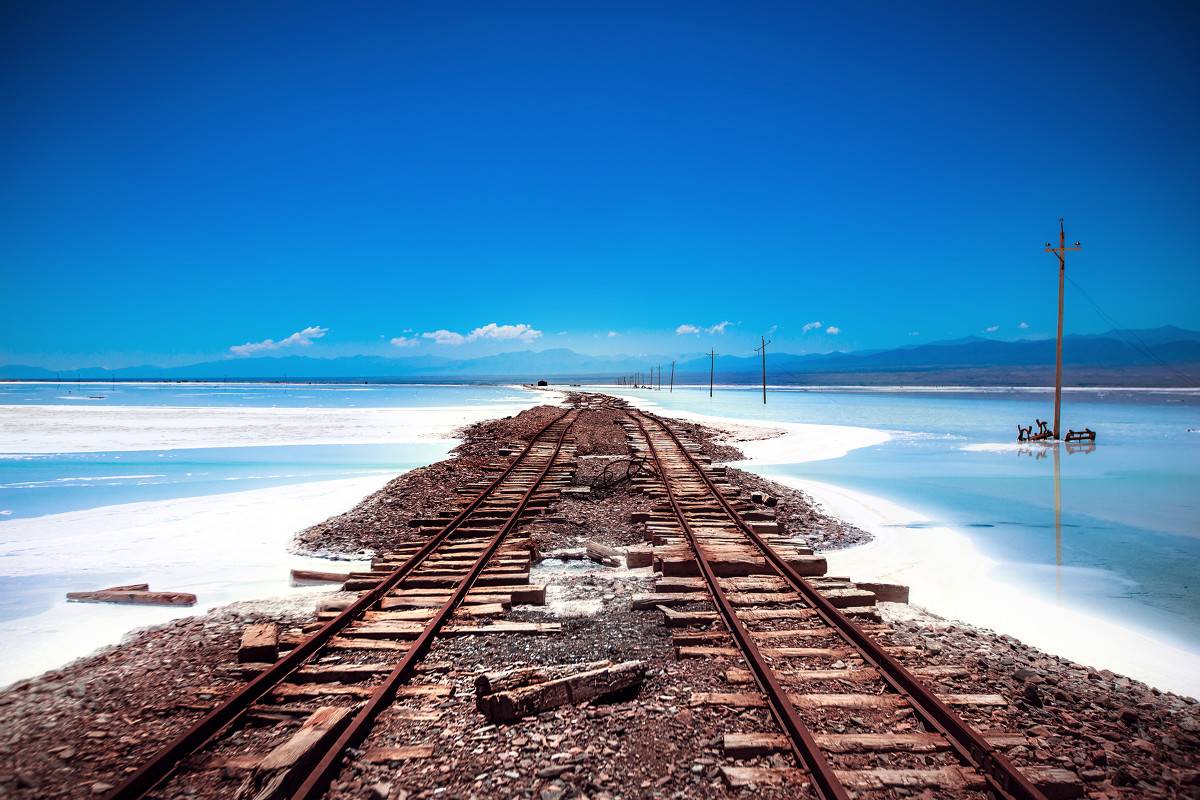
(1166, 356)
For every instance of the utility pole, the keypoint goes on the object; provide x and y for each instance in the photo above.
(1061, 252)
(672, 389)
(659, 389)
(763, 350)
(712, 365)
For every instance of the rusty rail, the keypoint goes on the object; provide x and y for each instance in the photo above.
(322, 774)
(196, 737)
(801, 740)
(1003, 778)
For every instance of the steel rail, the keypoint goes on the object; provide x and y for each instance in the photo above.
(803, 745)
(204, 730)
(1002, 775)
(319, 778)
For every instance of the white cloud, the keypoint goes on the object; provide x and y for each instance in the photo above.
(719, 327)
(772, 329)
(833, 330)
(1023, 325)
(519, 332)
(914, 333)
(685, 329)
(611, 334)
(991, 328)
(810, 326)
(302, 338)
(406, 341)
(443, 336)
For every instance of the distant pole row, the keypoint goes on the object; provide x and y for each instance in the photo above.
(653, 379)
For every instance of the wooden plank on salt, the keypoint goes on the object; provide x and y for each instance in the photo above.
(135, 597)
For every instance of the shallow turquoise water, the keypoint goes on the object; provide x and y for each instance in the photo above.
(255, 395)
(37, 484)
(1129, 540)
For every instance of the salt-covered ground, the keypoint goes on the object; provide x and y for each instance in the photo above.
(223, 548)
(83, 429)
(949, 577)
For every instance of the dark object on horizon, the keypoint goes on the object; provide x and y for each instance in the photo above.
(542, 383)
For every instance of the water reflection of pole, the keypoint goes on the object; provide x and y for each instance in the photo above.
(1057, 523)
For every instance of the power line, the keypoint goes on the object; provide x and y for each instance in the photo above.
(1142, 348)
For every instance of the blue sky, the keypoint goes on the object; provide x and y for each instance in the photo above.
(183, 179)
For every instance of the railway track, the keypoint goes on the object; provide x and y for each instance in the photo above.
(819, 672)
(366, 657)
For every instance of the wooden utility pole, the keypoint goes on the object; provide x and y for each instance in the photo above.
(712, 365)
(1060, 251)
(763, 350)
(672, 389)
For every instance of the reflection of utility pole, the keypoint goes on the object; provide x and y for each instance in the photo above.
(763, 350)
(1060, 251)
(712, 365)
(1057, 522)
(672, 389)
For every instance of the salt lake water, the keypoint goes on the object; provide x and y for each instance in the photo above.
(33, 484)
(1127, 542)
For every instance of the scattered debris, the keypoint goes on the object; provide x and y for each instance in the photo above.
(603, 554)
(137, 593)
(522, 700)
(300, 576)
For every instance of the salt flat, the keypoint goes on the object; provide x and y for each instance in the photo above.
(75, 429)
(222, 548)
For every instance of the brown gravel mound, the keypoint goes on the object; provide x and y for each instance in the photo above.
(376, 522)
(78, 731)
(1124, 738)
